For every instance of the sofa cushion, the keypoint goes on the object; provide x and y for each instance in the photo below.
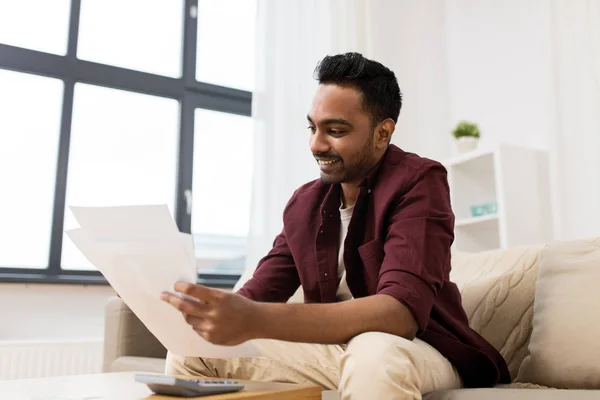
(513, 394)
(126, 335)
(498, 288)
(564, 350)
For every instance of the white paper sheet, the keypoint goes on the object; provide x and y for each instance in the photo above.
(141, 254)
(131, 223)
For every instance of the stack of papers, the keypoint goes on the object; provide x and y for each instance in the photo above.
(141, 253)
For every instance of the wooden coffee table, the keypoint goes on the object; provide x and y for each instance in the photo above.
(122, 386)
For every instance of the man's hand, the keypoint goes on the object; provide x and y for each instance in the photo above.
(219, 317)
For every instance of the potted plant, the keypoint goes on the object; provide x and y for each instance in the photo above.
(467, 136)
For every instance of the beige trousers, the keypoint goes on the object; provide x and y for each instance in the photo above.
(372, 365)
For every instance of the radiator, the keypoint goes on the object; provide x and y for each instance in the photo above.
(36, 359)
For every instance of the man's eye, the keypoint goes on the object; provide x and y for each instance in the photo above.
(336, 132)
(312, 129)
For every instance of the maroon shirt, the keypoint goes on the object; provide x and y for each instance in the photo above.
(398, 243)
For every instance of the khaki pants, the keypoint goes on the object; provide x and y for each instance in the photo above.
(372, 365)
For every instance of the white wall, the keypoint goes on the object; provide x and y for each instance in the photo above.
(484, 61)
(48, 312)
(408, 37)
(575, 147)
(501, 69)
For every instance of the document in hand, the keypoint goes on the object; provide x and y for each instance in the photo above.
(141, 253)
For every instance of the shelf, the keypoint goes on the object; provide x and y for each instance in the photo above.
(478, 233)
(470, 156)
(512, 177)
(473, 182)
(475, 220)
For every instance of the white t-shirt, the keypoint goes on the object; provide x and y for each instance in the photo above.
(343, 292)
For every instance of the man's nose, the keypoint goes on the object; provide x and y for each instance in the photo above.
(318, 143)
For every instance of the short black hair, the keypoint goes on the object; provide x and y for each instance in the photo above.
(381, 96)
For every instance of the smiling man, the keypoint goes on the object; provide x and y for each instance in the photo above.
(369, 242)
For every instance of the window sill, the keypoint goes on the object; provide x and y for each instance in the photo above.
(221, 281)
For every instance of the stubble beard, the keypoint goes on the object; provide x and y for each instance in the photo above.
(356, 171)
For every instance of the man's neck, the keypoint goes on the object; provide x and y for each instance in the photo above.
(350, 190)
(349, 194)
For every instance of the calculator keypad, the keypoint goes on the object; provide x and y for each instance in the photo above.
(213, 382)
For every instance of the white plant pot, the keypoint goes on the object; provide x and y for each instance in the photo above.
(466, 144)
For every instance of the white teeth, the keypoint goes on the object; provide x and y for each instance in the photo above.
(321, 162)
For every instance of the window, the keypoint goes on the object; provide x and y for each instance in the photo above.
(135, 34)
(100, 107)
(228, 61)
(40, 25)
(107, 165)
(222, 179)
(28, 156)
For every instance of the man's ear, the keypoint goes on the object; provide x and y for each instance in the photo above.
(383, 133)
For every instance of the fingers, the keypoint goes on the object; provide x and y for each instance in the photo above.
(199, 324)
(198, 291)
(203, 327)
(205, 335)
(195, 322)
(187, 307)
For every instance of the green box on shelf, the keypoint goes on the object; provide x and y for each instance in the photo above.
(477, 211)
(491, 208)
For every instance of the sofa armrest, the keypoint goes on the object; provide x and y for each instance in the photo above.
(126, 336)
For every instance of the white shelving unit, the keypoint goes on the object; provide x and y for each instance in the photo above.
(516, 179)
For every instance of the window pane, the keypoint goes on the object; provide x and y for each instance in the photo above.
(29, 131)
(221, 189)
(134, 34)
(226, 43)
(35, 24)
(123, 152)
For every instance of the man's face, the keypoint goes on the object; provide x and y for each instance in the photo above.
(341, 134)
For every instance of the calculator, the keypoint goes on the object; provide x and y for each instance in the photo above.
(172, 386)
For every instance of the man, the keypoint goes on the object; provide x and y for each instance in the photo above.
(369, 243)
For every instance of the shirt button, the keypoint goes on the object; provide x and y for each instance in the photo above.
(325, 274)
(369, 191)
(320, 232)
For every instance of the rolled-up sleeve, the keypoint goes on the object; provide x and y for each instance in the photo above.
(417, 244)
